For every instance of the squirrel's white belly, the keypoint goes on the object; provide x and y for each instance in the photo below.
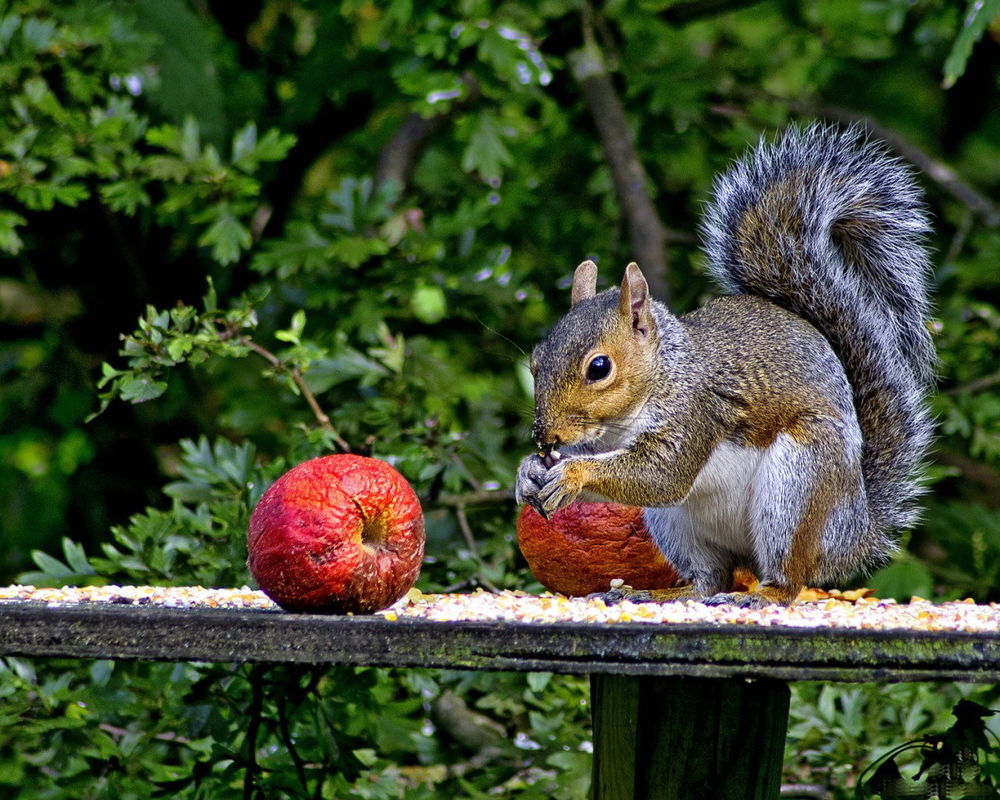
(716, 512)
(719, 501)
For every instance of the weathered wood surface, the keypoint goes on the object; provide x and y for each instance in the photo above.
(666, 738)
(709, 651)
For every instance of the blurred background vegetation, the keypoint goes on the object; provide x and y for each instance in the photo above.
(235, 236)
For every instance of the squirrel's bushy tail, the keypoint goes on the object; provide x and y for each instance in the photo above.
(829, 225)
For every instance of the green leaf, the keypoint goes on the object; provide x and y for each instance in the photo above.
(293, 334)
(244, 142)
(978, 15)
(167, 168)
(302, 249)
(165, 136)
(10, 241)
(140, 388)
(126, 196)
(179, 347)
(356, 250)
(347, 365)
(70, 194)
(52, 567)
(228, 238)
(189, 144)
(429, 304)
(486, 152)
(393, 353)
(575, 773)
(76, 557)
(189, 492)
(8, 27)
(36, 89)
(38, 34)
(273, 146)
(249, 150)
(902, 579)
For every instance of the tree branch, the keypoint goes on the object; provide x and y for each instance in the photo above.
(475, 498)
(459, 502)
(254, 715)
(958, 240)
(463, 525)
(296, 373)
(289, 742)
(646, 232)
(398, 157)
(472, 730)
(116, 733)
(470, 541)
(973, 386)
(972, 470)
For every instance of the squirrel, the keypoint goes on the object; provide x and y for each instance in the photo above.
(781, 427)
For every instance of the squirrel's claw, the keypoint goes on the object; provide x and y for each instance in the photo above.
(535, 504)
(738, 599)
(617, 594)
(543, 484)
(613, 597)
(556, 492)
(530, 477)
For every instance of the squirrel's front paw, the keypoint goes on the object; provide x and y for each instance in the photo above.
(549, 488)
(561, 485)
(530, 478)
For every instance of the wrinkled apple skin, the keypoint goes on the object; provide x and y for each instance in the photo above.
(340, 533)
(587, 545)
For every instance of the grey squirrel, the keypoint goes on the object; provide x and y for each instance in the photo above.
(781, 426)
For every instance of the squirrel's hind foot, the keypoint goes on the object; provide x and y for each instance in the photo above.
(615, 596)
(762, 596)
(759, 598)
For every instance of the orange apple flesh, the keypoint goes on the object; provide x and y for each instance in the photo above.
(587, 545)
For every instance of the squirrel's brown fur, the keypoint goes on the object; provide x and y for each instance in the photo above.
(777, 428)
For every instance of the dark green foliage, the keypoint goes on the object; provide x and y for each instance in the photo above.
(156, 730)
(839, 735)
(978, 16)
(342, 225)
(958, 762)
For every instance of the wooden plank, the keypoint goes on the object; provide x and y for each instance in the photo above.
(712, 651)
(614, 711)
(677, 738)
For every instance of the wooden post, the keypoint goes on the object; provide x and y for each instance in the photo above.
(676, 738)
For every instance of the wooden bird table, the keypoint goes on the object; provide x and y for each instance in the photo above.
(680, 709)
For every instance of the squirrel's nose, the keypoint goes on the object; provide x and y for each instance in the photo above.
(546, 442)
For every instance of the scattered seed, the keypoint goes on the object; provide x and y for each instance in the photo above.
(852, 609)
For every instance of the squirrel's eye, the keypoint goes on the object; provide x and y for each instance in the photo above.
(598, 368)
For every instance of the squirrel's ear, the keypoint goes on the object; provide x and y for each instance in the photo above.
(633, 303)
(584, 282)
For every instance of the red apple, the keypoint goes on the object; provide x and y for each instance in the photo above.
(586, 545)
(341, 533)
